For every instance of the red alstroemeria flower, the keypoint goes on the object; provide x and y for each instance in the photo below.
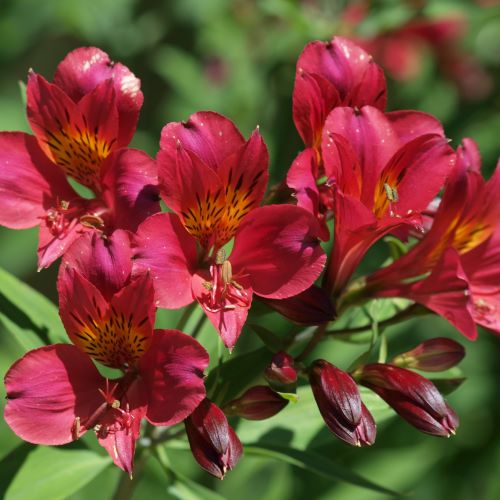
(465, 230)
(214, 181)
(385, 171)
(329, 74)
(81, 124)
(55, 393)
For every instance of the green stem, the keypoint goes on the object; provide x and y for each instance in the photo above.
(411, 311)
(126, 485)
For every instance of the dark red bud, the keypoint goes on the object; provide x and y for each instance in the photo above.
(433, 355)
(257, 403)
(311, 307)
(213, 442)
(339, 403)
(282, 369)
(415, 398)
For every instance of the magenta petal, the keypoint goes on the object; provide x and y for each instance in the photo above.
(80, 303)
(51, 247)
(313, 98)
(184, 178)
(226, 315)
(210, 136)
(29, 183)
(105, 262)
(172, 372)
(302, 179)
(358, 80)
(409, 124)
(278, 248)
(132, 187)
(372, 137)
(164, 248)
(418, 171)
(120, 444)
(84, 68)
(48, 390)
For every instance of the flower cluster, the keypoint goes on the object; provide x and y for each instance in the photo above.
(364, 173)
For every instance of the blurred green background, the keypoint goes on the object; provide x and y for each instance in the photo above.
(238, 58)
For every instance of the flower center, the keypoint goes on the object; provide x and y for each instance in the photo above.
(223, 292)
(115, 340)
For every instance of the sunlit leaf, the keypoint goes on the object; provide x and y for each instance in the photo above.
(318, 464)
(55, 473)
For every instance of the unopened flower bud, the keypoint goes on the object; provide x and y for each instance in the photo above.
(340, 405)
(412, 396)
(433, 355)
(310, 307)
(213, 442)
(257, 403)
(282, 369)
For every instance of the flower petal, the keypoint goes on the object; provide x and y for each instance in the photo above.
(105, 261)
(172, 371)
(210, 136)
(164, 248)
(85, 68)
(358, 80)
(29, 183)
(132, 187)
(77, 137)
(278, 247)
(51, 392)
(410, 124)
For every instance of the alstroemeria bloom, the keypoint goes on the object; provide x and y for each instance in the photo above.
(55, 393)
(465, 233)
(81, 124)
(329, 74)
(214, 181)
(385, 172)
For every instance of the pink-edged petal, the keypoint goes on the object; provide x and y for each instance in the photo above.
(302, 179)
(355, 231)
(410, 124)
(278, 248)
(30, 183)
(445, 292)
(131, 185)
(210, 136)
(192, 190)
(104, 261)
(313, 98)
(164, 248)
(120, 443)
(468, 153)
(341, 164)
(372, 137)
(80, 304)
(246, 174)
(172, 374)
(358, 80)
(418, 172)
(52, 246)
(86, 67)
(77, 137)
(227, 309)
(51, 392)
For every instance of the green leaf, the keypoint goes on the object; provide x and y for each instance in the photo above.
(185, 489)
(55, 473)
(29, 309)
(318, 464)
